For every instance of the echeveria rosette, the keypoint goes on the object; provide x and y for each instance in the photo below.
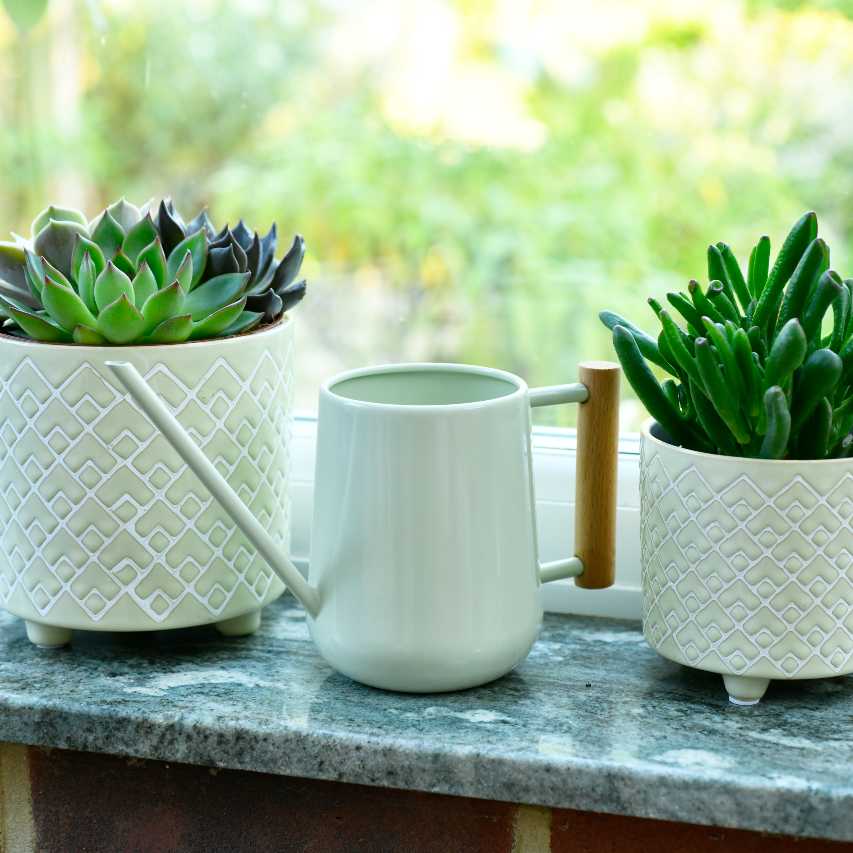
(132, 277)
(760, 365)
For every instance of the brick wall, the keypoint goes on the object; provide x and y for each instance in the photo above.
(54, 800)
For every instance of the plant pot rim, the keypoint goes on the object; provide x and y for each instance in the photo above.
(118, 348)
(649, 436)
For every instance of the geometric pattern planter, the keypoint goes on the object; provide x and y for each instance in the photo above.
(102, 526)
(747, 565)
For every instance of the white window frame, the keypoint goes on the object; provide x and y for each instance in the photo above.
(554, 481)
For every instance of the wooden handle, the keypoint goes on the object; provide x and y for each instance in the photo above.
(595, 479)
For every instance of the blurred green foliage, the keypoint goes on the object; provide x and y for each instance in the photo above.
(654, 128)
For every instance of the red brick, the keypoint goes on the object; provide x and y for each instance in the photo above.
(93, 803)
(586, 832)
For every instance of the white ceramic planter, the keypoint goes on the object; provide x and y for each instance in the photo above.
(747, 565)
(102, 526)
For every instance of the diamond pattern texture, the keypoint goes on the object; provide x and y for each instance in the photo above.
(746, 564)
(101, 524)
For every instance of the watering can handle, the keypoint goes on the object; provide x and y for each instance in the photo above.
(201, 466)
(594, 563)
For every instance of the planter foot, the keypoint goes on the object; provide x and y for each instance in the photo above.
(240, 626)
(745, 689)
(47, 636)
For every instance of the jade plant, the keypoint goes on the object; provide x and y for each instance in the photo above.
(758, 365)
(136, 277)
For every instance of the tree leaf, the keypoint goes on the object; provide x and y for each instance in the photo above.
(144, 286)
(138, 238)
(168, 302)
(108, 234)
(154, 256)
(215, 294)
(25, 14)
(110, 285)
(120, 322)
(171, 331)
(197, 245)
(65, 306)
(218, 321)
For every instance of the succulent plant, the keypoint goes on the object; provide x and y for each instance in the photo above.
(760, 365)
(130, 277)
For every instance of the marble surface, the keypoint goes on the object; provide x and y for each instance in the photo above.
(593, 719)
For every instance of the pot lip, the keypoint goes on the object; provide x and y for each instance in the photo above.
(647, 435)
(44, 346)
(520, 389)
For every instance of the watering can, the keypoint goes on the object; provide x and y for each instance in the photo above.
(424, 569)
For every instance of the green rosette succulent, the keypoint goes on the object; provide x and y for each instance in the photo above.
(130, 277)
(759, 365)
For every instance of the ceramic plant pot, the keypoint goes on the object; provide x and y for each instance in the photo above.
(102, 526)
(747, 567)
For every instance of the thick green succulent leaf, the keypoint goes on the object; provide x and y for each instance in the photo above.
(292, 294)
(21, 297)
(268, 244)
(215, 294)
(196, 244)
(35, 273)
(57, 214)
(269, 304)
(86, 282)
(289, 266)
(13, 262)
(125, 213)
(110, 285)
(154, 256)
(221, 261)
(253, 257)
(38, 328)
(52, 273)
(242, 235)
(168, 302)
(88, 337)
(218, 321)
(202, 220)
(170, 227)
(82, 246)
(65, 306)
(144, 286)
(244, 323)
(172, 331)
(108, 234)
(139, 237)
(228, 241)
(56, 243)
(123, 262)
(120, 322)
(184, 274)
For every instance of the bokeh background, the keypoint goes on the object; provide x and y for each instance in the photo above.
(476, 179)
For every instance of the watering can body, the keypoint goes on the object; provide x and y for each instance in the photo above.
(424, 571)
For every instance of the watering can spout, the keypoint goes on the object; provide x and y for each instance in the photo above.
(227, 498)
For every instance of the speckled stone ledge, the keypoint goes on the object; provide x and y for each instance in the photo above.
(593, 719)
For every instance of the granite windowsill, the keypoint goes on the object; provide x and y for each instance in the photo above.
(593, 719)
